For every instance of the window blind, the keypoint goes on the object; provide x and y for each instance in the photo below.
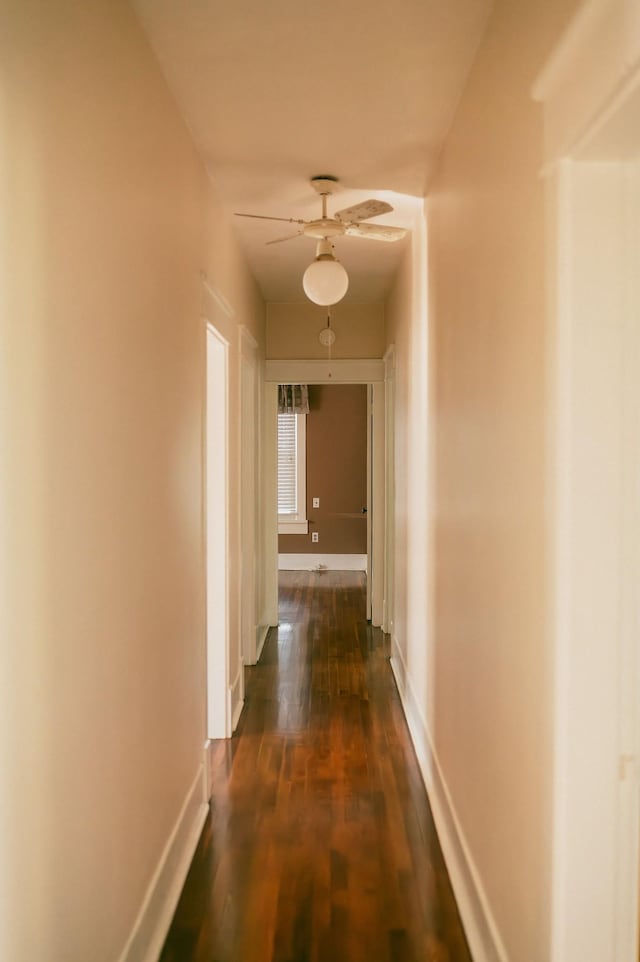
(287, 471)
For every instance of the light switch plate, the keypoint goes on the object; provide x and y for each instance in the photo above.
(316, 502)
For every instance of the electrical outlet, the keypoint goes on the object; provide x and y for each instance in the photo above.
(316, 502)
(314, 536)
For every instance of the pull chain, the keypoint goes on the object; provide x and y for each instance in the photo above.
(327, 336)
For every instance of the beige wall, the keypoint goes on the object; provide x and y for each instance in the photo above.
(336, 471)
(292, 330)
(227, 274)
(407, 323)
(480, 670)
(104, 235)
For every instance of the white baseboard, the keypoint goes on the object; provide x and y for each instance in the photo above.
(314, 562)
(479, 924)
(154, 918)
(261, 636)
(236, 697)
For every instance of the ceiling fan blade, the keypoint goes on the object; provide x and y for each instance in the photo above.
(368, 208)
(279, 240)
(376, 232)
(288, 220)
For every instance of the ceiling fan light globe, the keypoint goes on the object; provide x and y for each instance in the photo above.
(325, 282)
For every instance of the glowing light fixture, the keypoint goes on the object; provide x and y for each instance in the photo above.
(325, 281)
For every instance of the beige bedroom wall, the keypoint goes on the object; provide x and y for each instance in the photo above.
(480, 672)
(229, 278)
(104, 235)
(408, 329)
(336, 472)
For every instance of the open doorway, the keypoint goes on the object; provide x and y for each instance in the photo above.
(364, 372)
(323, 480)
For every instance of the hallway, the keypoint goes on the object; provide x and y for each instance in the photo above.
(320, 843)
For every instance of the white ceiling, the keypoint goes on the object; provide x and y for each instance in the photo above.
(278, 91)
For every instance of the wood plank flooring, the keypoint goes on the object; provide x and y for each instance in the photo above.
(320, 846)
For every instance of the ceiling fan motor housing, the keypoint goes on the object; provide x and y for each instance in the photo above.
(325, 227)
(324, 184)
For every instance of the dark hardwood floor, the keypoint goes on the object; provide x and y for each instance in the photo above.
(320, 846)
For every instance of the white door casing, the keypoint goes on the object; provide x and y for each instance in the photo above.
(249, 488)
(217, 533)
(369, 488)
(269, 507)
(389, 488)
(591, 93)
(376, 509)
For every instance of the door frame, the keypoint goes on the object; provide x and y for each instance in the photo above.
(389, 360)
(590, 89)
(216, 526)
(249, 407)
(352, 371)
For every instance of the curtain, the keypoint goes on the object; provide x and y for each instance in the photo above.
(293, 399)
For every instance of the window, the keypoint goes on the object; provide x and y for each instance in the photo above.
(292, 488)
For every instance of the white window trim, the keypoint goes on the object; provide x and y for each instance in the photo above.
(297, 523)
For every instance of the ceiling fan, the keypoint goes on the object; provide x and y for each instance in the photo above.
(347, 221)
